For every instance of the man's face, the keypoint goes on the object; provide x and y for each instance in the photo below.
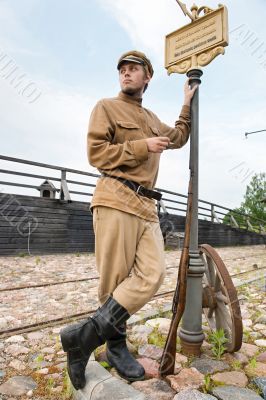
(132, 78)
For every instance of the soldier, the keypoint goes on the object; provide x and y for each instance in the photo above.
(125, 141)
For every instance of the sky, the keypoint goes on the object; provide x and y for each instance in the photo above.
(66, 52)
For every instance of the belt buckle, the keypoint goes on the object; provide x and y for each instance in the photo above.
(138, 191)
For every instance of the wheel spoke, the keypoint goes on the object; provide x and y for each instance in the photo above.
(223, 290)
(211, 321)
(221, 297)
(228, 318)
(207, 274)
(217, 283)
(211, 270)
(219, 319)
(222, 323)
(210, 312)
(225, 315)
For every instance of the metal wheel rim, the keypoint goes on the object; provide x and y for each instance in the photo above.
(227, 313)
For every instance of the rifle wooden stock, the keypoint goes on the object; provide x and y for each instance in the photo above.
(167, 364)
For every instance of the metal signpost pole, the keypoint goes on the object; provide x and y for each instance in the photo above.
(191, 334)
(186, 50)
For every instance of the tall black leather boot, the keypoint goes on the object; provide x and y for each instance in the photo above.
(80, 340)
(118, 356)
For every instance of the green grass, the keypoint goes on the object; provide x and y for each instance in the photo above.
(252, 363)
(105, 364)
(218, 340)
(50, 384)
(22, 254)
(255, 388)
(67, 386)
(156, 338)
(207, 387)
(39, 359)
(236, 365)
(37, 260)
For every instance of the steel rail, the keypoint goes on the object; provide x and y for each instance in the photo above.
(97, 277)
(58, 321)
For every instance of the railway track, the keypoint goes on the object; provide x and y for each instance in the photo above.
(96, 278)
(59, 321)
(63, 320)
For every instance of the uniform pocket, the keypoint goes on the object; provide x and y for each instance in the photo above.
(127, 125)
(127, 130)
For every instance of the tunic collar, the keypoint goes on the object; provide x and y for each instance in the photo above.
(129, 99)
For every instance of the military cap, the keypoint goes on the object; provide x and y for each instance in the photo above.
(136, 57)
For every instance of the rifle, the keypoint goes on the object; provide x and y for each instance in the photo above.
(167, 364)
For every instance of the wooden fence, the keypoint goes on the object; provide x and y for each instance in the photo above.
(34, 224)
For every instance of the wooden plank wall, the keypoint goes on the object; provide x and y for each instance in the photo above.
(56, 226)
(215, 234)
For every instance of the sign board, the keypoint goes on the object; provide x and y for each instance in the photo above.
(200, 36)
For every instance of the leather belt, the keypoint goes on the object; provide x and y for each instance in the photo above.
(139, 189)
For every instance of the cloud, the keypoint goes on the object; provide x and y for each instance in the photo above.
(146, 22)
(14, 35)
(52, 131)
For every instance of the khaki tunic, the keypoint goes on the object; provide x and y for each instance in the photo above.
(129, 245)
(117, 131)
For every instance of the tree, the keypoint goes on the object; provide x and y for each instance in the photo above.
(237, 214)
(255, 197)
(254, 201)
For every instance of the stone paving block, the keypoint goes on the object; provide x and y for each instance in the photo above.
(240, 357)
(258, 370)
(193, 394)
(150, 351)
(234, 378)
(162, 324)
(261, 383)
(261, 319)
(151, 367)
(262, 357)
(234, 393)
(18, 385)
(209, 366)
(139, 334)
(156, 389)
(260, 342)
(102, 385)
(250, 350)
(188, 378)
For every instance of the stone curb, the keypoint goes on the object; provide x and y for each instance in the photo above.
(103, 385)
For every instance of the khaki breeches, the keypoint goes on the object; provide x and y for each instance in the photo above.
(129, 257)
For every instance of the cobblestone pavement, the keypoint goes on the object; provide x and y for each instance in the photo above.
(43, 303)
(38, 354)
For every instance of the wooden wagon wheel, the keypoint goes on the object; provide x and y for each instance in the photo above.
(220, 302)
